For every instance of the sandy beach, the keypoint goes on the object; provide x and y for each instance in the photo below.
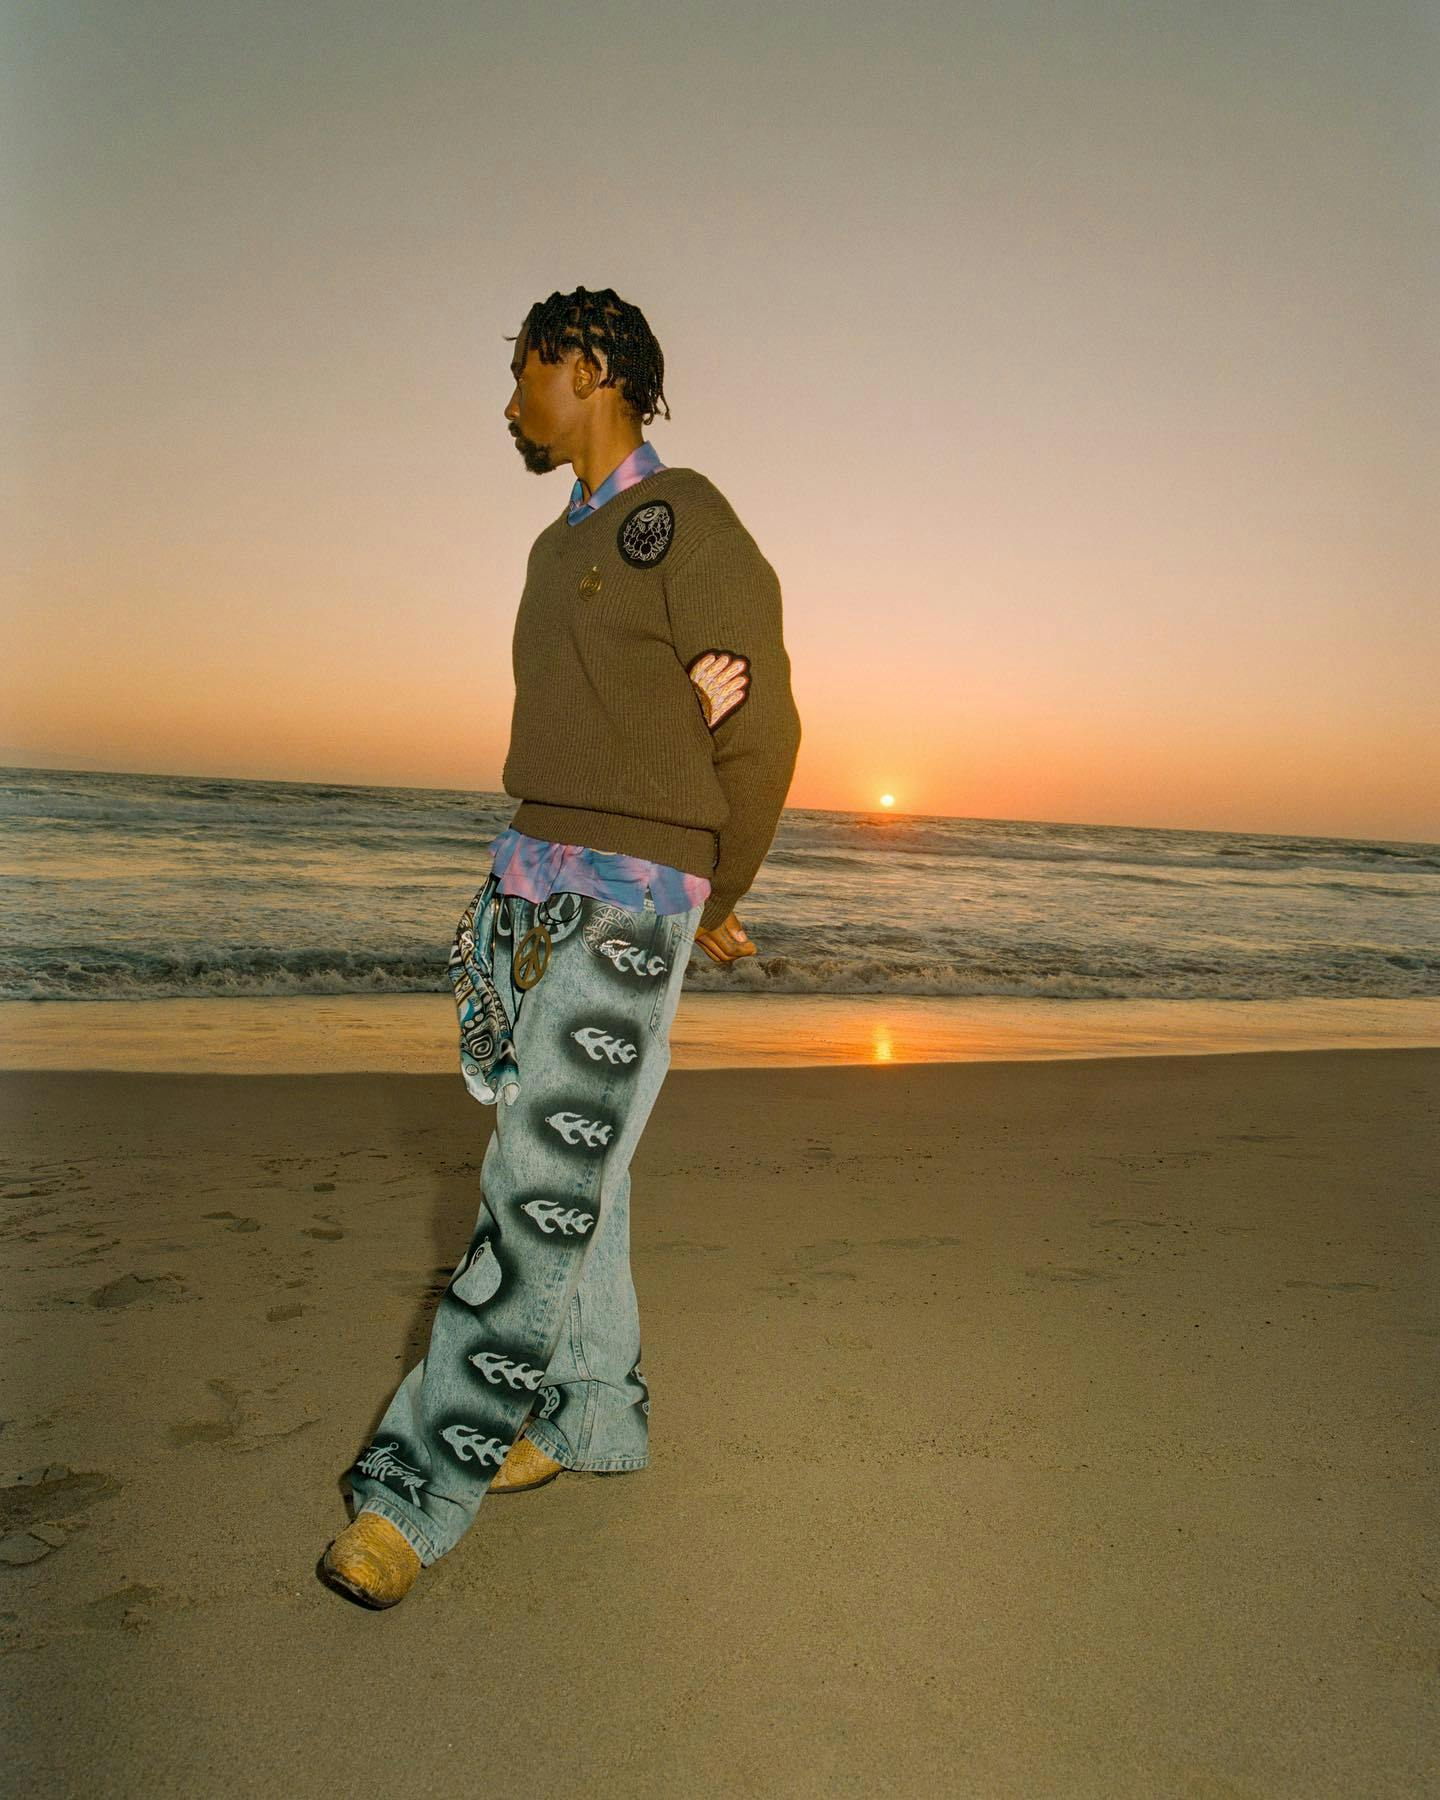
(1018, 1428)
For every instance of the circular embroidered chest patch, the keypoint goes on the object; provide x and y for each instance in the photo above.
(645, 534)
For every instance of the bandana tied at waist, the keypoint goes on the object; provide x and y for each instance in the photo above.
(487, 1047)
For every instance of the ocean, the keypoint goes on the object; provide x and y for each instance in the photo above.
(147, 888)
(154, 886)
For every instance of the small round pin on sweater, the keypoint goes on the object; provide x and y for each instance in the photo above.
(590, 580)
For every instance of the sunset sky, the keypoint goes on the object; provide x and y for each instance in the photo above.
(1074, 365)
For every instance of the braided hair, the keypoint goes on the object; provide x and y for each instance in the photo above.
(591, 319)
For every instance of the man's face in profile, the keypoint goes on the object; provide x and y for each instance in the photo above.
(536, 406)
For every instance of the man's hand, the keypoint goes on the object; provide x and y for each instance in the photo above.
(722, 681)
(726, 943)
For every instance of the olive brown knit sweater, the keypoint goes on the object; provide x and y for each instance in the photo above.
(637, 630)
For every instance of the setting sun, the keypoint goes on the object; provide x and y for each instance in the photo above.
(887, 799)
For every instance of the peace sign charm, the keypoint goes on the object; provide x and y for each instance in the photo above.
(532, 957)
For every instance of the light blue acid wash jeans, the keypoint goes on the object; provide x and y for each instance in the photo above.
(541, 1315)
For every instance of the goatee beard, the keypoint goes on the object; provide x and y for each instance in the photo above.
(537, 456)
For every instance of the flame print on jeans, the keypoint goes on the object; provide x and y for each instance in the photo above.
(551, 1217)
(576, 1129)
(480, 1277)
(596, 1043)
(470, 1445)
(497, 1368)
(550, 1402)
(628, 958)
(382, 1464)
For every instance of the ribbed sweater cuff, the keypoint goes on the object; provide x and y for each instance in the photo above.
(717, 910)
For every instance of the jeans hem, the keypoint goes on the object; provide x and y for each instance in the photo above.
(417, 1542)
(553, 1447)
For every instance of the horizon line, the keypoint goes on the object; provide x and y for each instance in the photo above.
(835, 811)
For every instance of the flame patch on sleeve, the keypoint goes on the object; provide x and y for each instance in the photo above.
(722, 680)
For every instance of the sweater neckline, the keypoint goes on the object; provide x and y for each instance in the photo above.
(645, 481)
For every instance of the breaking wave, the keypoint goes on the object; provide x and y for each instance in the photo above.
(123, 887)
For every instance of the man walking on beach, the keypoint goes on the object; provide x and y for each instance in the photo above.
(652, 743)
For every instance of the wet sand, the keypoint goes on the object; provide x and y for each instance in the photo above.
(416, 1034)
(1018, 1428)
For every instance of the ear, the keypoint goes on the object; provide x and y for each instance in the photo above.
(587, 377)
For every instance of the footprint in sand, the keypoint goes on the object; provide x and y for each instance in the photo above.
(76, 1261)
(244, 1426)
(210, 1431)
(1338, 1287)
(40, 1510)
(1075, 1275)
(125, 1607)
(918, 1243)
(126, 1290)
(18, 1547)
(813, 1257)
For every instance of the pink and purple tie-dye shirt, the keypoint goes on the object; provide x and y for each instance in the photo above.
(536, 868)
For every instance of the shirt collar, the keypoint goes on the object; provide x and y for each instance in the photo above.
(643, 460)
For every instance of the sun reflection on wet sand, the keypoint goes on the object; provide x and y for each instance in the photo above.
(418, 1034)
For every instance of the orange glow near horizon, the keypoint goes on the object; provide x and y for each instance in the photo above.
(279, 724)
(1135, 540)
